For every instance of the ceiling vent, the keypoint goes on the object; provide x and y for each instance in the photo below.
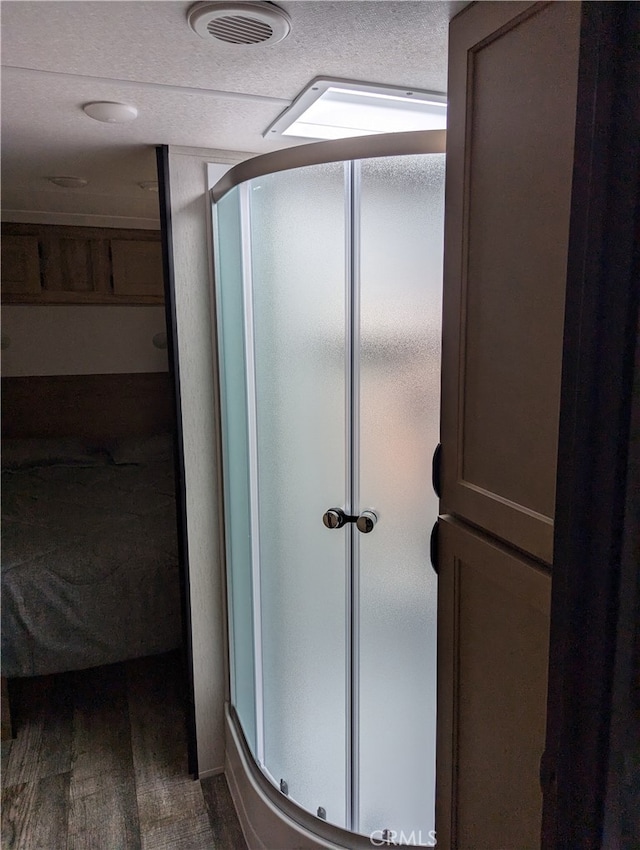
(239, 23)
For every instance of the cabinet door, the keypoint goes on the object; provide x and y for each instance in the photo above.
(137, 268)
(51, 264)
(512, 101)
(20, 264)
(493, 625)
(74, 267)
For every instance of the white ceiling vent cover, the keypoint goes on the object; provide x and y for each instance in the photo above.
(239, 23)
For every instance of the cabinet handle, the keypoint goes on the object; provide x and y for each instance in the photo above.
(436, 470)
(434, 547)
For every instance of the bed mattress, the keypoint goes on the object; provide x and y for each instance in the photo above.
(89, 560)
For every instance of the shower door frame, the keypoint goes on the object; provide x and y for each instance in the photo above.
(349, 151)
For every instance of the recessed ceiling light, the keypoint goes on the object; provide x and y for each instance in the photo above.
(69, 182)
(111, 113)
(149, 185)
(340, 109)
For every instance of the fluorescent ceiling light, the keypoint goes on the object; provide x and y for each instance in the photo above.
(340, 109)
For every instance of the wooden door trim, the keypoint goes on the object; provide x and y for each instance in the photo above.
(168, 269)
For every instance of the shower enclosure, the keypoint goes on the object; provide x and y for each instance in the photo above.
(328, 288)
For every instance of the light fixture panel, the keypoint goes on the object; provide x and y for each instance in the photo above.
(340, 109)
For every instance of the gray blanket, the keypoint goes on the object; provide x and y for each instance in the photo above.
(89, 565)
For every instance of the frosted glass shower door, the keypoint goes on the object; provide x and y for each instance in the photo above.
(329, 320)
(298, 272)
(401, 248)
(233, 395)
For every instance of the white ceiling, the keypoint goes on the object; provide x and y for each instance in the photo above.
(56, 56)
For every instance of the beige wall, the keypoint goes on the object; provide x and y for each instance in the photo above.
(81, 340)
(191, 239)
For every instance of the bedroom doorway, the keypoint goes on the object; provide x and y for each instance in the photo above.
(91, 584)
(90, 554)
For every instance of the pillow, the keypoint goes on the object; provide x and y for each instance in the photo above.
(142, 450)
(33, 453)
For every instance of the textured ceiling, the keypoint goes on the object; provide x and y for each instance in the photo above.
(58, 55)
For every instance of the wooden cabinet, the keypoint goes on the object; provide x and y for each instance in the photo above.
(493, 633)
(72, 265)
(513, 70)
(20, 265)
(46, 264)
(512, 103)
(137, 268)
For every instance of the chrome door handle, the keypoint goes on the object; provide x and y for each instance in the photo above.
(366, 521)
(334, 518)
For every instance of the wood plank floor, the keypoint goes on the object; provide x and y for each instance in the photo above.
(99, 762)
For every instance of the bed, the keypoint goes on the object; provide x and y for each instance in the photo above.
(89, 534)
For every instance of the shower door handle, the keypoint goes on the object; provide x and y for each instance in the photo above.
(366, 521)
(335, 518)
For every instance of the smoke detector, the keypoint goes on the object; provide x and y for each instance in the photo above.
(239, 23)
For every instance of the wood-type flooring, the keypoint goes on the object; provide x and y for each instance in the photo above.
(99, 762)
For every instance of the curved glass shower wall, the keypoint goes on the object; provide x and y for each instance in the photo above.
(329, 280)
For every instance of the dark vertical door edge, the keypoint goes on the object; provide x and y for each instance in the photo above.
(162, 159)
(594, 445)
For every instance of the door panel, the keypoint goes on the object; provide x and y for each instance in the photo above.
(401, 234)
(298, 270)
(509, 170)
(493, 625)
